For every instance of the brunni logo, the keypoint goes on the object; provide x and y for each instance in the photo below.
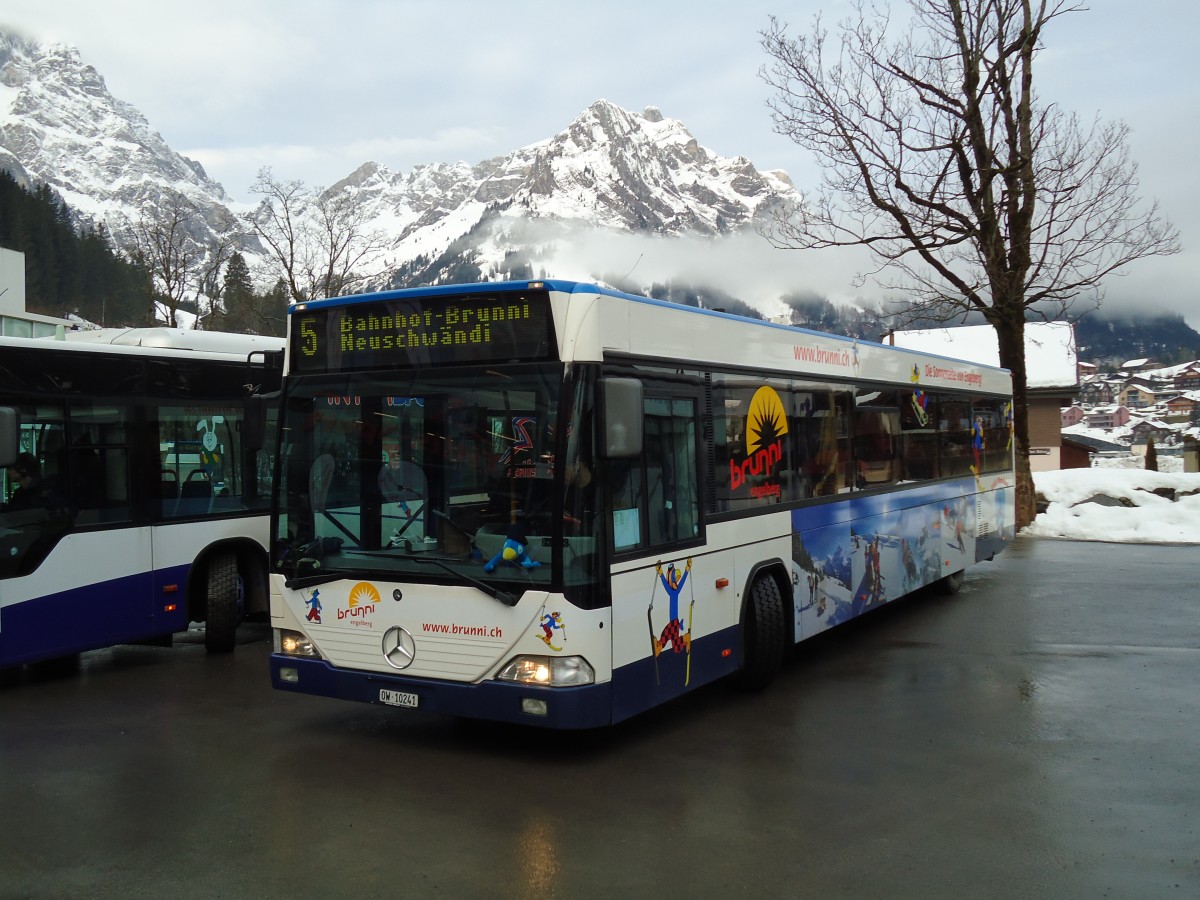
(766, 424)
(363, 597)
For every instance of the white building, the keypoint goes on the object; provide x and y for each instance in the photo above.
(14, 320)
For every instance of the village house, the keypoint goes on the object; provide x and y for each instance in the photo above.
(1134, 366)
(1096, 390)
(1078, 450)
(1135, 395)
(1188, 379)
(1107, 417)
(1184, 405)
(1153, 428)
(1072, 416)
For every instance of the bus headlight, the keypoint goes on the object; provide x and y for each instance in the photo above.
(293, 643)
(548, 671)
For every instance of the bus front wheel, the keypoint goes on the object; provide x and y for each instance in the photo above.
(224, 603)
(764, 634)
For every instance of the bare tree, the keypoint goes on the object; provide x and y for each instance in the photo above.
(209, 288)
(970, 194)
(161, 239)
(320, 240)
(169, 239)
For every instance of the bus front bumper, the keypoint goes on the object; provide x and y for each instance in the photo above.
(564, 707)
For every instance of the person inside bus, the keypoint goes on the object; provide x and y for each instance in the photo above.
(32, 490)
(579, 502)
(403, 482)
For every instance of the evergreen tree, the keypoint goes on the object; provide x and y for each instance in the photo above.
(1151, 455)
(67, 270)
(238, 287)
(238, 298)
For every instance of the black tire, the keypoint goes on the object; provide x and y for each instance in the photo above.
(56, 667)
(223, 603)
(764, 635)
(951, 584)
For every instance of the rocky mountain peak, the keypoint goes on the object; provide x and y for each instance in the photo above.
(60, 125)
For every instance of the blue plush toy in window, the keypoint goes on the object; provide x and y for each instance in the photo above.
(513, 552)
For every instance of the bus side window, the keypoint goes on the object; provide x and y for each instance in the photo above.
(99, 463)
(876, 444)
(918, 427)
(673, 480)
(656, 498)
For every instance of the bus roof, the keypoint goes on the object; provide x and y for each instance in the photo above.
(178, 339)
(159, 342)
(656, 331)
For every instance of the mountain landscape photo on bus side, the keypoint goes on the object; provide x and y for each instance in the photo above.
(658, 213)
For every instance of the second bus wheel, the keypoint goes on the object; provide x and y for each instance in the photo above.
(951, 584)
(223, 603)
(764, 634)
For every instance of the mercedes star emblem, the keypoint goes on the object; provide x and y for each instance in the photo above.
(399, 648)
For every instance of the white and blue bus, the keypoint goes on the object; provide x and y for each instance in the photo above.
(131, 505)
(553, 503)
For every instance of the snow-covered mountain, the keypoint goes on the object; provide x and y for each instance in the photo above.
(609, 172)
(60, 125)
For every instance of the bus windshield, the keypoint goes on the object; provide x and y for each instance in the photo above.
(430, 475)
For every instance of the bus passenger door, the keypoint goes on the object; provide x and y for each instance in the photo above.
(114, 538)
(661, 594)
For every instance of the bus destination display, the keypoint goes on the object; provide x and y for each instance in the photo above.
(423, 331)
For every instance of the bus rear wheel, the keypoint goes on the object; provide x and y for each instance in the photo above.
(764, 635)
(223, 603)
(951, 584)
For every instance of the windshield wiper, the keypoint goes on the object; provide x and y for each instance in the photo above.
(303, 581)
(503, 596)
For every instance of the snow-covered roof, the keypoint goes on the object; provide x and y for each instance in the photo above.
(1050, 358)
(1092, 442)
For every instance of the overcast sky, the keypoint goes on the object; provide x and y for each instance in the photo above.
(314, 88)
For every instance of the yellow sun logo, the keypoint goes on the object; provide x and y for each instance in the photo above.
(363, 593)
(767, 421)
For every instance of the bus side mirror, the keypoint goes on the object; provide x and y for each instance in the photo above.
(254, 420)
(621, 408)
(10, 436)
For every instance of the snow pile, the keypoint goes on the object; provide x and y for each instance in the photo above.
(1116, 503)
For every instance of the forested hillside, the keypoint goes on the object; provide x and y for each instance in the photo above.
(67, 271)
(1115, 338)
(72, 272)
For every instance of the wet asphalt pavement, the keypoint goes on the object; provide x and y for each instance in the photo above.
(1035, 736)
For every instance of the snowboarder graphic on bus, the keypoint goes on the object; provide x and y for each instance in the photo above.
(673, 580)
(314, 607)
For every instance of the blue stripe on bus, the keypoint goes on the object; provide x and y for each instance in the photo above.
(594, 706)
(652, 681)
(99, 615)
